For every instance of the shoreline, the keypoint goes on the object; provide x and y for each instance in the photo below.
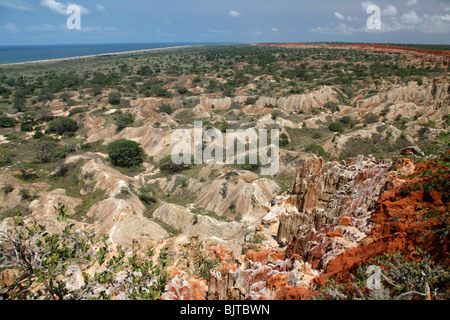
(100, 55)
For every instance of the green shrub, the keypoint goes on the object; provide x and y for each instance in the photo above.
(167, 166)
(43, 258)
(124, 120)
(38, 135)
(182, 90)
(330, 105)
(125, 153)
(27, 127)
(62, 125)
(406, 278)
(207, 266)
(345, 120)
(250, 100)
(146, 194)
(45, 151)
(114, 98)
(371, 118)
(7, 189)
(77, 110)
(358, 146)
(224, 127)
(284, 140)
(145, 71)
(7, 122)
(165, 108)
(316, 149)
(336, 127)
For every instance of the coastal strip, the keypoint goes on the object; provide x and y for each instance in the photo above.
(100, 55)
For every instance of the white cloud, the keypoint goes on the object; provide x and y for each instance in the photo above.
(365, 4)
(99, 7)
(393, 21)
(60, 8)
(275, 29)
(435, 24)
(389, 11)
(47, 28)
(16, 4)
(340, 29)
(9, 28)
(411, 18)
(339, 15)
(412, 3)
(350, 18)
(234, 14)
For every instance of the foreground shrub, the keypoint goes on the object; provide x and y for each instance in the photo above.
(55, 260)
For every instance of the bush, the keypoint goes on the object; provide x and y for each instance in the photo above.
(62, 125)
(224, 127)
(145, 71)
(182, 90)
(7, 122)
(45, 150)
(336, 127)
(284, 140)
(114, 98)
(330, 105)
(403, 278)
(44, 115)
(250, 100)
(316, 149)
(124, 120)
(146, 195)
(165, 108)
(125, 153)
(43, 259)
(371, 118)
(77, 110)
(345, 120)
(167, 166)
(26, 127)
(7, 189)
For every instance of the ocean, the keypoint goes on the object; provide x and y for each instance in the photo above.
(27, 53)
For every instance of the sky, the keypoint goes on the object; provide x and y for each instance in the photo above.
(41, 22)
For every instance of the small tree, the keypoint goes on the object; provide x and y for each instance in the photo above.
(316, 149)
(44, 150)
(123, 121)
(371, 118)
(336, 127)
(114, 98)
(165, 108)
(7, 122)
(125, 153)
(167, 166)
(62, 125)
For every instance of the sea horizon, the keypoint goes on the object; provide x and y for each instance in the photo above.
(17, 54)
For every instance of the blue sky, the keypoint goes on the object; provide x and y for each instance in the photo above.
(24, 22)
